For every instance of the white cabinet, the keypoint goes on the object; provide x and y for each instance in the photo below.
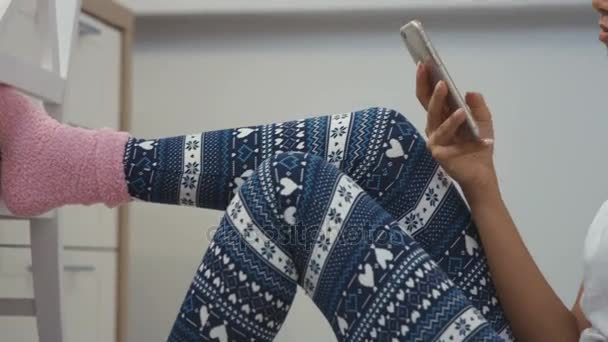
(93, 93)
(89, 289)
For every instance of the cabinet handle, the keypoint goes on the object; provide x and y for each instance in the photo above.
(73, 268)
(86, 29)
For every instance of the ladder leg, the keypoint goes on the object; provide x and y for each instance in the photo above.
(47, 269)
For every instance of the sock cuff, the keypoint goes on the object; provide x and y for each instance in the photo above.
(111, 182)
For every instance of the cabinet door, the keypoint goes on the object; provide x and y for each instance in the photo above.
(89, 289)
(93, 101)
(93, 90)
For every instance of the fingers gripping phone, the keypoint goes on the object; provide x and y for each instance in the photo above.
(420, 47)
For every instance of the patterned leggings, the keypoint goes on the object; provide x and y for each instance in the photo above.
(351, 207)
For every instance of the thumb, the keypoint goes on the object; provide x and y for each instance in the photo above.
(478, 106)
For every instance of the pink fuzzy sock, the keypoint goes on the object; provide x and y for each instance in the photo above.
(46, 164)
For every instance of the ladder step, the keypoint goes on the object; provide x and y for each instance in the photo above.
(31, 79)
(17, 307)
(5, 213)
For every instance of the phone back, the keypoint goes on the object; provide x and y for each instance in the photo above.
(421, 49)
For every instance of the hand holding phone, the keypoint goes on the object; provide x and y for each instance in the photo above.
(469, 162)
(460, 138)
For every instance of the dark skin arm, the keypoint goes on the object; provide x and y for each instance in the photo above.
(535, 311)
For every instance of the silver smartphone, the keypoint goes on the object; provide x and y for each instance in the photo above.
(420, 47)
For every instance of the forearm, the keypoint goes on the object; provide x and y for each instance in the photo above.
(536, 313)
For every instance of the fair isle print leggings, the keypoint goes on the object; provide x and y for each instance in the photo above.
(351, 207)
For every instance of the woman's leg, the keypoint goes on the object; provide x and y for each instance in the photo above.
(298, 219)
(46, 165)
(377, 147)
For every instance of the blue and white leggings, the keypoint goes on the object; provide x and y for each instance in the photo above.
(351, 207)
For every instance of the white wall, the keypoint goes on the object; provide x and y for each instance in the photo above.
(544, 75)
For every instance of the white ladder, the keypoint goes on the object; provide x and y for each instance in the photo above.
(56, 22)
